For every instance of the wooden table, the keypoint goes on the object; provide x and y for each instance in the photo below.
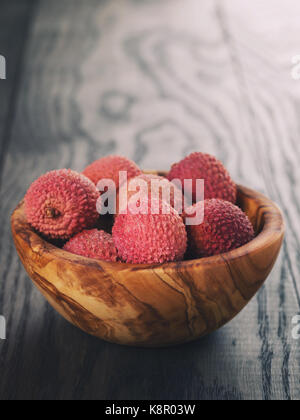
(152, 80)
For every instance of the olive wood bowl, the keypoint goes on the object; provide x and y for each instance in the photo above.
(159, 305)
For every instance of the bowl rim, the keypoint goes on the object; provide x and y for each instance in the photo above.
(272, 231)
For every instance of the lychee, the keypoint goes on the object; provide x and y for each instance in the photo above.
(150, 238)
(217, 181)
(109, 168)
(61, 204)
(225, 227)
(157, 187)
(95, 244)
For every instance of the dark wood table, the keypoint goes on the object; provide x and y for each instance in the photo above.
(152, 80)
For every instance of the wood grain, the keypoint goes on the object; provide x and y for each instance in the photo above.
(134, 77)
(153, 306)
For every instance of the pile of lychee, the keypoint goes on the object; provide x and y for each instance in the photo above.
(64, 205)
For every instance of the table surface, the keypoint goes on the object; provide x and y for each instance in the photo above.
(152, 80)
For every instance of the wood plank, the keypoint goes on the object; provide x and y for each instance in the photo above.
(271, 97)
(14, 23)
(136, 78)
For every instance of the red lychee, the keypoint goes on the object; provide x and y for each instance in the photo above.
(109, 168)
(150, 238)
(95, 244)
(218, 183)
(62, 203)
(225, 227)
(162, 189)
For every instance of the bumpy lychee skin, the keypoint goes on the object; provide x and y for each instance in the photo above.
(225, 227)
(61, 204)
(150, 238)
(109, 168)
(173, 195)
(95, 244)
(218, 183)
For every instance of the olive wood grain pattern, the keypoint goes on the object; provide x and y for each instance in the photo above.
(159, 305)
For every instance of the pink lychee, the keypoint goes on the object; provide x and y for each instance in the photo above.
(217, 181)
(95, 244)
(172, 194)
(225, 227)
(150, 238)
(109, 168)
(61, 204)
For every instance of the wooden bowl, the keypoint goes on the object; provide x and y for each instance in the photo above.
(153, 306)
